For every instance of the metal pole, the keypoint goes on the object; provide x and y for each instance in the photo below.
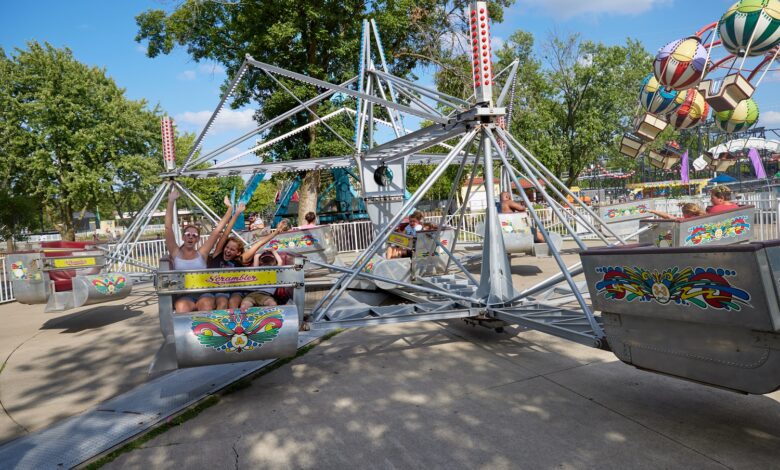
(508, 137)
(466, 199)
(597, 330)
(541, 190)
(496, 275)
(214, 115)
(374, 277)
(381, 237)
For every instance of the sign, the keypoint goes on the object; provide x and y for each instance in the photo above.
(400, 240)
(74, 262)
(209, 280)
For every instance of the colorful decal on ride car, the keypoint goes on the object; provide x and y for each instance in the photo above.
(665, 240)
(20, 272)
(109, 284)
(229, 279)
(625, 211)
(292, 242)
(702, 287)
(706, 233)
(233, 331)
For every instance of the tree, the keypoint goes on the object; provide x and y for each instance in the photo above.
(590, 101)
(71, 139)
(320, 38)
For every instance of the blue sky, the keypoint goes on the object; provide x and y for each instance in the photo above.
(101, 33)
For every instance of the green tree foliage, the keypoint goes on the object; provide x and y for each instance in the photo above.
(589, 100)
(319, 38)
(571, 105)
(71, 140)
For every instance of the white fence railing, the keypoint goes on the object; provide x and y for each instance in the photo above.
(6, 290)
(357, 236)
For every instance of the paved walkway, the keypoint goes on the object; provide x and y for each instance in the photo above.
(447, 395)
(58, 365)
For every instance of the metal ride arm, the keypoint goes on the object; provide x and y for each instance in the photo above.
(308, 108)
(374, 277)
(600, 338)
(508, 137)
(381, 237)
(268, 124)
(346, 91)
(280, 138)
(199, 139)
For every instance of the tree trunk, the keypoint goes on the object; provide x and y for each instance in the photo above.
(307, 194)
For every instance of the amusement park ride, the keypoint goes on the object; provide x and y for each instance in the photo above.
(686, 301)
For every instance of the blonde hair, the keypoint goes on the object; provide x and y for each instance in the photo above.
(691, 208)
(721, 192)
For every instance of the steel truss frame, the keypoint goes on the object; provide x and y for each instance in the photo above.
(472, 133)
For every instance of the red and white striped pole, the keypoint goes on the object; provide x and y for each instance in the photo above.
(169, 153)
(482, 54)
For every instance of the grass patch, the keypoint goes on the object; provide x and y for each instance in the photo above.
(212, 400)
(156, 431)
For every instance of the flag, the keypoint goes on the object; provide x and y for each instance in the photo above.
(684, 168)
(758, 167)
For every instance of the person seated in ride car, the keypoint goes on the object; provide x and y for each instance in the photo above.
(310, 218)
(189, 258)
(720, 197)
(508, 206)
(689, 210)
(249, 254)
(263, 297)
(227, 254)
(415, 224)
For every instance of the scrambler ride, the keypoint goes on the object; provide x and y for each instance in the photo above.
(706, 311)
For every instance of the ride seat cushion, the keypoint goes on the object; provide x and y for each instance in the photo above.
(63, 279)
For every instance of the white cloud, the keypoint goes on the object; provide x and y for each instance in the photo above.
(228, 120)
(571, 8)
(211, 69)
(187, 75)
(496, 43)
(769, 118)
(140, 48)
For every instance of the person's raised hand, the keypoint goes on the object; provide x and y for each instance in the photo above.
(173, 195)
(227, 202)
(241, 207)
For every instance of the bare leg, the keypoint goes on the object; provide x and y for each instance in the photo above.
(205, 304)
(235, 301)
(222, 302)
(184, 306)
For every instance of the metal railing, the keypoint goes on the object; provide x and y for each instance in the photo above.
(6, 289)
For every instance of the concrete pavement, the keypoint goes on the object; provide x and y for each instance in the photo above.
(447, 395)
(57, 365)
